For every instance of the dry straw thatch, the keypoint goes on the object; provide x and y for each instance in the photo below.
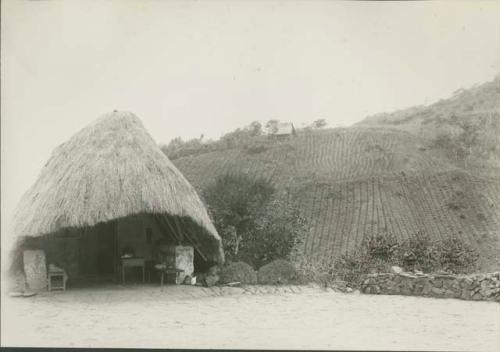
(109, 170)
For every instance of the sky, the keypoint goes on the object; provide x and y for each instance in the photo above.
(188, 68)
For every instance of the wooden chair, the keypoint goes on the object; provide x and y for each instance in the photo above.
(166, 270)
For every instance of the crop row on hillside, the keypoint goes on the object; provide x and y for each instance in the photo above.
(441, 206)
(334, 155)
(355, 182)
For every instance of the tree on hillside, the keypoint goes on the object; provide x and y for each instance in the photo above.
(320, 123)
(234, 201)
(177, 147)
(254, 224)
(272, 126)
(255, 128)
(172, 147)
(279, 230)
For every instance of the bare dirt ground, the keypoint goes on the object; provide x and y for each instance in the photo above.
(290, 317)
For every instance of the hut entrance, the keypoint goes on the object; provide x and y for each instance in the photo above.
(97, 250)
(98, 254)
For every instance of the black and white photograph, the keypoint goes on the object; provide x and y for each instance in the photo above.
(250, 175)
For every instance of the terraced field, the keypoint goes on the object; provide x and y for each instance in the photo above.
(358, 181)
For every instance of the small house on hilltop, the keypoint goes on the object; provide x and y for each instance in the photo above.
(282, 130)
(107, 194)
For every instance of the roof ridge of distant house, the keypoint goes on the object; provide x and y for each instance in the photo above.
(283, 129)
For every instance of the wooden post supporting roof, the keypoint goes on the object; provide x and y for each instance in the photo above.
(194, 243)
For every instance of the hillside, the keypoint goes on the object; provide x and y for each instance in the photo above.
(483, 98)
(466, 126)
(355, 181)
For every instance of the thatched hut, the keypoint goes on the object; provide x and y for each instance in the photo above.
(106, 190)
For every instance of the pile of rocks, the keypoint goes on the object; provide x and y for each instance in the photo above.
(478, 287)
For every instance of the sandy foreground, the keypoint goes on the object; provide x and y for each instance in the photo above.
(292, 317)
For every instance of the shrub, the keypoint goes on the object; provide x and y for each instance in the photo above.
(457, 256)
(238, 272)
(277, 272)
(380, 247)
(376, 253)
(381, 251)
(351, 267)
(256, 149)
(279, 229)
(256, 224)
(419, 252)
(320, 271)
(233, 201)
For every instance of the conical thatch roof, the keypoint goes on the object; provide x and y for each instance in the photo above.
(109, 170)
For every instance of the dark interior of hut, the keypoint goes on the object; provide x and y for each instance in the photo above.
(134, 249)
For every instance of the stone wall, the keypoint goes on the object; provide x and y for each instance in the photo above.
(478, 287)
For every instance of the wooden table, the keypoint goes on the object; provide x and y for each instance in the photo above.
(133, 262)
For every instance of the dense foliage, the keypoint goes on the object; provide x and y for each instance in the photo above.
(238, 272)
(381, 251)
(278, 272)
(457, 256)
(251, 138)
(240, 137)
(256, 224)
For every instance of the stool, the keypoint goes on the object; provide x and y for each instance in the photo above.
(57, 281)
(169, 272)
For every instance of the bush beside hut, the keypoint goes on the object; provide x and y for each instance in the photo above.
(238, 272)
(278, 272)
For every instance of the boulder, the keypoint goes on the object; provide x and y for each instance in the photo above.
(477, 296)
(211, 280)
(437, 283)
(465, 294)
(437, 291)
(449, 293)
(407, 275)
(418, 289)
(390, 286)
(466, 282)
(406, 290)
(427, 288)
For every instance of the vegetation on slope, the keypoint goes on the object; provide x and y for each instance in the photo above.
(380, 251)
(353, 182)
(465, 127)
(252, 138)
